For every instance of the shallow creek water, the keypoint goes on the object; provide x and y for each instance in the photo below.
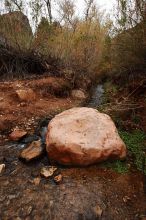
(96, 97)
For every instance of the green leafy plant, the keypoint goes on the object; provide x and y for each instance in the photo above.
(136, 147)
(118, 166)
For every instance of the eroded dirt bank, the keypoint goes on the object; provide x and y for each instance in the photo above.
(51, 95)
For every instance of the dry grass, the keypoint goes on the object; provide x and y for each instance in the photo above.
(79, 50)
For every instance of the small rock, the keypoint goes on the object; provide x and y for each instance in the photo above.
(126, 199)
(10, 197)
(36, 181)
(18, 218)
(16, 135)
(98, 211)
(23, 104)
(78, 94)
(2, 168)
(48, 171)
(51, 203)
(33, 151)
(58, 179)
(26, 95)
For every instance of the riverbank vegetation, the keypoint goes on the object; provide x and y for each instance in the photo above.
(74, 43)
(89, 46)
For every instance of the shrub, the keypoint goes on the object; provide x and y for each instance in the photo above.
(79, 50)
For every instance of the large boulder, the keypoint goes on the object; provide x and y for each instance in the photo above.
(83, 136)
(15, 30)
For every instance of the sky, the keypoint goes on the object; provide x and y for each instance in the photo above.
(107, 5)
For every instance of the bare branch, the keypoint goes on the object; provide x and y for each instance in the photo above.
(89, 4)
(17, 3)
(49, 9)
(67, 12)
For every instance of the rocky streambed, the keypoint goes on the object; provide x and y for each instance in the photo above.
(40, 189)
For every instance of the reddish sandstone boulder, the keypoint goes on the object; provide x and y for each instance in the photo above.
(83, 136)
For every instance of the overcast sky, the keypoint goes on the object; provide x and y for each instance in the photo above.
(106, 4)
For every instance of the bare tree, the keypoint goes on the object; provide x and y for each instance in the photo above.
(36, 11)
(49, 9)
(131, 12)
(67, 13)
(140, 6)
(89, 4)
(17, 3)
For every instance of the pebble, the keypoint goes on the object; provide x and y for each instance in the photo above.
(2, 168)
(37, 181)
(1, 99)
(10, 197)
(17, 134)
(58, 179)
(98, 211)
(33, 151)
(48, 171)
(126, 199)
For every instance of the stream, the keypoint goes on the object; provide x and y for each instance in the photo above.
(96, 97)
